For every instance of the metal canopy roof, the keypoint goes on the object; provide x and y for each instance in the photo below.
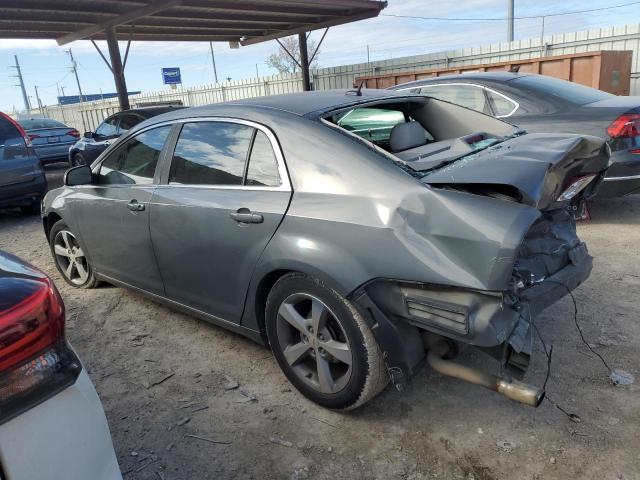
(243, 21)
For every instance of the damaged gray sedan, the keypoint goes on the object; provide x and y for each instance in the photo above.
(358, 234)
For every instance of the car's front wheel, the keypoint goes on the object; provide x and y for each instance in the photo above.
(323, 344)
(70, 259)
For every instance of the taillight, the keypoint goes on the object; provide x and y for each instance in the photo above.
(575, 187)
(627, 125)
(74, 133)
(35, 360)
(32, 136)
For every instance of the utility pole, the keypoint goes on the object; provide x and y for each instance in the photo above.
(542, 45)
(213, 61)
(38, 100)
(368, 59)
(25, 98)
(510, 20)
(60, 107)
(74, 67)
(257, 73)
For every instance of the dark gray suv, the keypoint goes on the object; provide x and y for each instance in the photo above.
(358, 234)
(22, 179)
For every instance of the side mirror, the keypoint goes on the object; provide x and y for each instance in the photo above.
(89, 135)
(80, 175)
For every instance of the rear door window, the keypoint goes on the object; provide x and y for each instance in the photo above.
(502, 106)
(470, 96)
(134, 163)
(211, 153)
(263, 166)
(108, 128)
(127, 122)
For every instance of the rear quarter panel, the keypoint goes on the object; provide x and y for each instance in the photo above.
(356, 216)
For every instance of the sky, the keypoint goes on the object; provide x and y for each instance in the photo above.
(46, 65)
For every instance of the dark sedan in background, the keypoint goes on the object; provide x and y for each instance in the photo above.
(51, 139)
(542, 104)
(92, 144)
(22, 179)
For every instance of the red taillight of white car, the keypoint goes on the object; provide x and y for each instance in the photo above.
(575, 187)
(625, 126)
(35, 360)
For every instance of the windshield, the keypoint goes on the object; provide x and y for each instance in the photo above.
(40, 123)
(568, 91)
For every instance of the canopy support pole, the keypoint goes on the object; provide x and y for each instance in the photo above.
(304, 61)
(117, 69)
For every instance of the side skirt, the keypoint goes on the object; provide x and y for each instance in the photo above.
(234, 327)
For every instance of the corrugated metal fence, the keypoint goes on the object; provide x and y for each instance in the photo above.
(627, 37)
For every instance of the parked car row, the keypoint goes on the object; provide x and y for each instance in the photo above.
(27, 145)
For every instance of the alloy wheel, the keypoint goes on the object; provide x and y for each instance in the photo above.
(314, 343)
(70, 257)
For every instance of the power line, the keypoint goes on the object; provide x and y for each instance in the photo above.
(458, 19)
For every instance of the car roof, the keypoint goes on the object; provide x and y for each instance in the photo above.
(486, 76)
(152, 111)
(304, 103)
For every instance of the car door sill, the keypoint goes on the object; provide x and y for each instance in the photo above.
(234, 327)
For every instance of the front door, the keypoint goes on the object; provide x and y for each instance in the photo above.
(113, 214)
(221, 201)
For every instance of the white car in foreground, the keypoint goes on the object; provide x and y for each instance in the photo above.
(52, 425)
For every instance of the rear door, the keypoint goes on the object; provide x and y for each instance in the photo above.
(113, 214)
(223, 194)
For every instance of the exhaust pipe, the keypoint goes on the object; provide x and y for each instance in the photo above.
(513, 389)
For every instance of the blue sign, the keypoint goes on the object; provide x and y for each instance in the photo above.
(171, 76)
(92, 97)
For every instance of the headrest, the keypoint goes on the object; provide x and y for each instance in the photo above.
(406, 135)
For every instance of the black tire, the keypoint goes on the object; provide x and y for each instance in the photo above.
(73, 275)
(343, 325)
(78, 159)
(29, 209)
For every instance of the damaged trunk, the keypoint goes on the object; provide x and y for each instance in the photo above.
(534, 169)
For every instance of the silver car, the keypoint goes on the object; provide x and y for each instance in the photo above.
(357, 233)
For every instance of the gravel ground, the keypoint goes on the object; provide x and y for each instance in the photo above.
(171, 385)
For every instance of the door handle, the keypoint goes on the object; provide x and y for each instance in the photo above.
(135, 206)
(244, 215)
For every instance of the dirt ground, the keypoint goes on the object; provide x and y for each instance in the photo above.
(166, 379)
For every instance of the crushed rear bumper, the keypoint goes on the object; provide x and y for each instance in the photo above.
(498, 322)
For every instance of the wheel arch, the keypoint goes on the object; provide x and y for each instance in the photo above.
(48, 221)
(264, 280)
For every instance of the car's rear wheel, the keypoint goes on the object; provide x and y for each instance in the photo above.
(323, 344)
(70, 258)
(78, 159)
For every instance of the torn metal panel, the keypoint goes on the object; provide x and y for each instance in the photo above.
(537, 165)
